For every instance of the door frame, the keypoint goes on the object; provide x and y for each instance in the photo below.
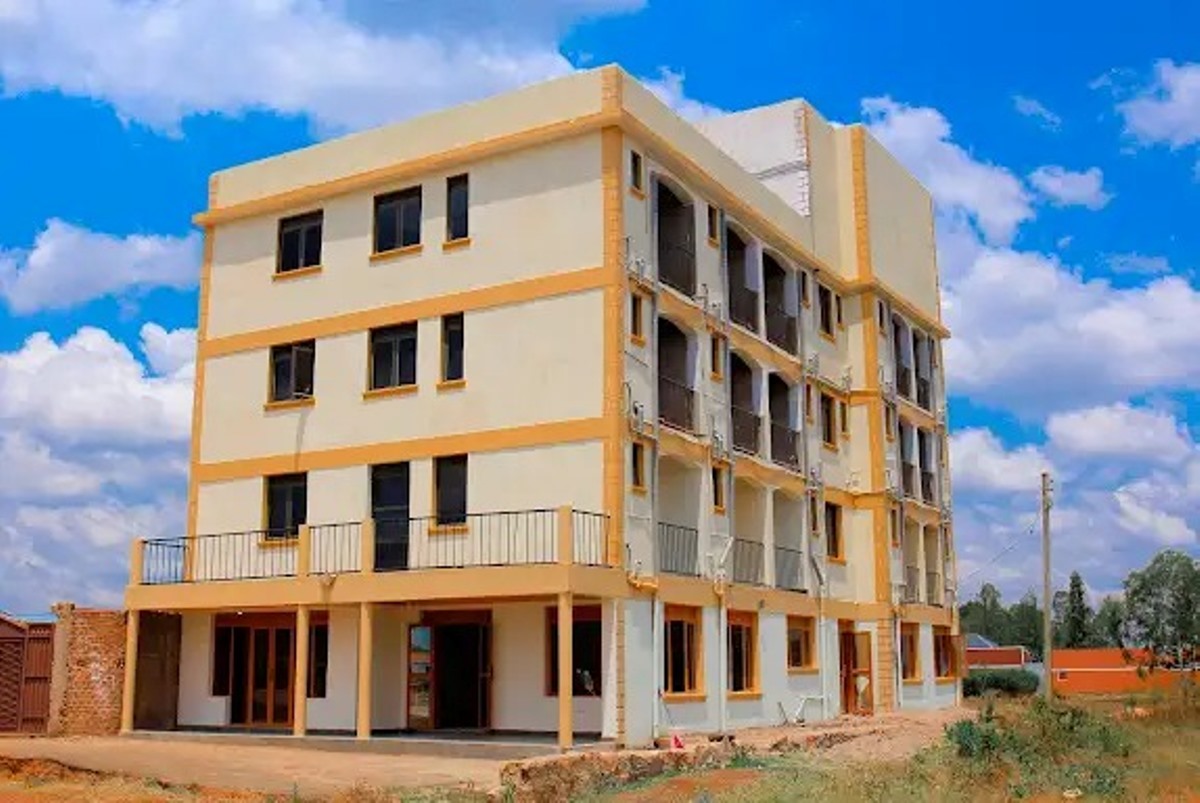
(436, 618)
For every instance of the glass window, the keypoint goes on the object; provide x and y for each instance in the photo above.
(394, 356)
(398, 219)
(299, 242)
(451, 478)
(287, 505)
(457, 205)
(452, 347)
(292, 367)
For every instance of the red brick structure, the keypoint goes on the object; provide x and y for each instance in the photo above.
(1111, 670)
(997, 657)
(89, 671)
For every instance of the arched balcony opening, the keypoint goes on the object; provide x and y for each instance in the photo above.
(747, 423)
(783, 437)
(676, 239)
(781, 321)
(676, 398)
(743, 301)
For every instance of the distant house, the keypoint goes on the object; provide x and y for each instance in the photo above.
(1110, 670)
(983, 653)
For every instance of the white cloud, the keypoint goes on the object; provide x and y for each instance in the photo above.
(668, 88)
(1064, 187)
(1031, 107)
(32, 471)
(991, 197)
(1144, 521)
(1121, 431)
(347, 65)
(171, 352)
(1167, 111)
(69, 266)
(980, 462)
(1138, 264)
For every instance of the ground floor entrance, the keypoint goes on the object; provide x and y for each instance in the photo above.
(254, 664)
(854, 669)
(450, 671)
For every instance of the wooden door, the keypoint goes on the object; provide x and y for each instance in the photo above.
(270, 676)
(864, 693)
(420, 678)
(157, 699)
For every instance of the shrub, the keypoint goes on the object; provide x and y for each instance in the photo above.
(1004, 681)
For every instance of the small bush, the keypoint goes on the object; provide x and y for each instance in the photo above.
(1004, 681)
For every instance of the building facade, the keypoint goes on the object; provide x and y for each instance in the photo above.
(555, 413)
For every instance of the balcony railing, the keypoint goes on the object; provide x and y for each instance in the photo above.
(783, 445)
(904, 380)
(400, 543)
(781, 329)
(928, 494)
(747, 559)
(912, 584)
(676, 403)
(924, 398)
(746, 427)
(909, 472)
(678, 549)
(933, 588)
(789, 568)
(677, 267)
(743, 307)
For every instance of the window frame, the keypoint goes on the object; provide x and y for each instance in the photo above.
(293, 353)
(838, 315)
(301, 223)
(808, 402)
(290, 483)
(589, 617)
(844, 419)
(396, 335)
(742, 626)
(829, 424)
(399, 198)
(448, 325)
(910, 652)
(713, 224)
(691, 619)
(716, 366)
(835, 548)
(825, 319)
(806, 627)
(637, 318)
(805, 295)
(944, 651)
(719, 473)
(450, 520)
(637, 466)
(637, 173)
(453, 183)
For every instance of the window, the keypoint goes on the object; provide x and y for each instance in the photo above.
(814, 518)
(681, 650)
(585, 651)
(894, 525)
(742, 648)
(718, 481)
(222, 667)
(910, 666)
(451, 489)
(808, 402)
(882, 319)
(714, 225)
(844, 419)
(717, 367)
(287, 505)
(837, 306)
(889, 422)
(833, 531)
(458, 192)
(636, 175)
(394, 356)
(292, 371)
(223, 656)
(318, 659)
(398, 220)
(452, 347)
(804, 297)
(945, 656)
(637, 326)
(825, 309)
(801, 638)
(828, 421)
(299, 242)
(637, 468)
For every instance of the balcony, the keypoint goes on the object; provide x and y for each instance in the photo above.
(912, 584)
(747, 560)
(928, 495)
(743, 307)
(677, 268)
(904, 380)
(909, 472)
(746, 426)
(924, 393)
(510, 538)
(783, 445)
(933, 588)
(676, 403)
(789, 569)
(678, 550)
(781, 329)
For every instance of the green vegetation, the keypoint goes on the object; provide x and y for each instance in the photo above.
(1003, 681)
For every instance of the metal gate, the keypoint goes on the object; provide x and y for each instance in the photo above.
(26, 658)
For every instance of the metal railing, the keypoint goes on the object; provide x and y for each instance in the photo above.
(590, 534)
(933, 588)
(746, 558)
(746, 426)
(678, 549)
(789, 568)
(927, 488)
(912, 584)
(781, 329)
(676, 403)
(924, 396)
(677, 267)
(246, 555)
(743, 307)
(783, 445)
(503, 538)
(336, 548)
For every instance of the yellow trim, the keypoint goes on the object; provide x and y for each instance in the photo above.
(198, 384)
(383, 393)
(674, 443)
(838, 559)
(946, 680)
(684, 697)
(748, 694)
(298, 273)
(394, 253)
(681, 310)
(804, 670)
(449, 529)
(858, 177)
(548, 434)
(278, 543)
(831, 338)
(451, 384)
(557, 284)
(714, 242)
(765, 354)
(637, 340)
(638, 193)
(456, 244)
(289, 404)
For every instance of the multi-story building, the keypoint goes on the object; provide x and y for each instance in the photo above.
(554, 413)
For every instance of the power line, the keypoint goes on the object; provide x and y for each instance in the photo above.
(1009, 548)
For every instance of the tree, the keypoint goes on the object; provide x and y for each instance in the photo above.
(1025, 624)
(1076, 616)
(1109, 623)
(1162, 603)
(986, 615)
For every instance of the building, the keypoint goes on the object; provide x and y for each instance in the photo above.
(983, 653)
(552, 413)
(1117, 670)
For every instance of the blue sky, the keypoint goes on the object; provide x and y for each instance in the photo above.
(1061, 142)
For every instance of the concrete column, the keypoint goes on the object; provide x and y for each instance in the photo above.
(922, 590)
(768, 537)
(300, 689)
(566, 671)
(565, 524)
(367, 547)
(132, 620)
(304, 551)
(366, 640)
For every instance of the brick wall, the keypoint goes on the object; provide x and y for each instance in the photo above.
(89, 671)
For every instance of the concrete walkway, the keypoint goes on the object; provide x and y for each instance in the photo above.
(277, 770)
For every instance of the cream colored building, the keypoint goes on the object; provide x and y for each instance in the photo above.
(555, 413)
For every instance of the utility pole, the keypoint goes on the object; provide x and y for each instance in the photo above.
(1047, 594)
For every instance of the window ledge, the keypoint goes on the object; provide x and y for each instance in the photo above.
(715, 377)
(719, 510)
(838, 561)
(945, 681)
(830, 447)
(289, 404)
(750, 694)
(637, 340)
(829, 336)
(714, 242)
(383, 393)
(278, 543)
(456, 244)
(404, 250)
(640, 490)
(638, 193)
(295, 273)
(912, 681)
(684, 697)
(449, 529)
(451, 384)
(804, 670)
